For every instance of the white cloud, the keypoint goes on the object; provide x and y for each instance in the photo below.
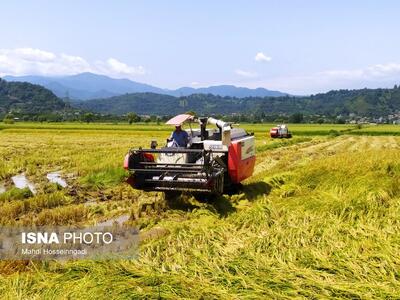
(30, 54)
(195, 83)
(244, 73)
(374, 76)
(119, 67)
(29, 61)
(262, 57)
(371, 72)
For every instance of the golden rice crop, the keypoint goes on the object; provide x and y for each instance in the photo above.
(319, 219)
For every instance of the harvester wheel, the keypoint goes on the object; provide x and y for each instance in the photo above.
(233, 188)
(171, 196)
(204, 197)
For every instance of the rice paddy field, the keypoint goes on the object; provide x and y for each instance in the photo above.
(319, 219)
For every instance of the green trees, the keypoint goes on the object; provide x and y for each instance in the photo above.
(88, 117)
(41, 118)
(28, 102)
(28, 99)
(364, 102)
(296, 118)
(132, 118)
(8, 119)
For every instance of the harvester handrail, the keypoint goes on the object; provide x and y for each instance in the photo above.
(151, 163)
(166, 170)
(178, 150)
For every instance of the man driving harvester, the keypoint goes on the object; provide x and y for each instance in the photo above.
(179, 136)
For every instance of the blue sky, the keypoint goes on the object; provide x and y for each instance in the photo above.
(301, 47)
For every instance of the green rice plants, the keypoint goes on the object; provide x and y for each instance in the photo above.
(104, 177)
(15, 194)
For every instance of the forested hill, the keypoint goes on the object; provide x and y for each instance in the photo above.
(23, 98)
(365, 102)
(27, 98)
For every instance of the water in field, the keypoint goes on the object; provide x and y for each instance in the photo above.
(119, 220)
(55, 177)
(21, 182)
(2, 188)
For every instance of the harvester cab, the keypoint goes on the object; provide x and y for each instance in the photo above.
(213, 161)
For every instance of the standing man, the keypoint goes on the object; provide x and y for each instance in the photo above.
(180, 136)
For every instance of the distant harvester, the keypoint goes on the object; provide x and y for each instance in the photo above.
(280, 131)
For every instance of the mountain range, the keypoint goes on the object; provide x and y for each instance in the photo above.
(28, 100)
(85, 86)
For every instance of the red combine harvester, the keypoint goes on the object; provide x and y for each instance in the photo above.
(214, 160)
(280, 131)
